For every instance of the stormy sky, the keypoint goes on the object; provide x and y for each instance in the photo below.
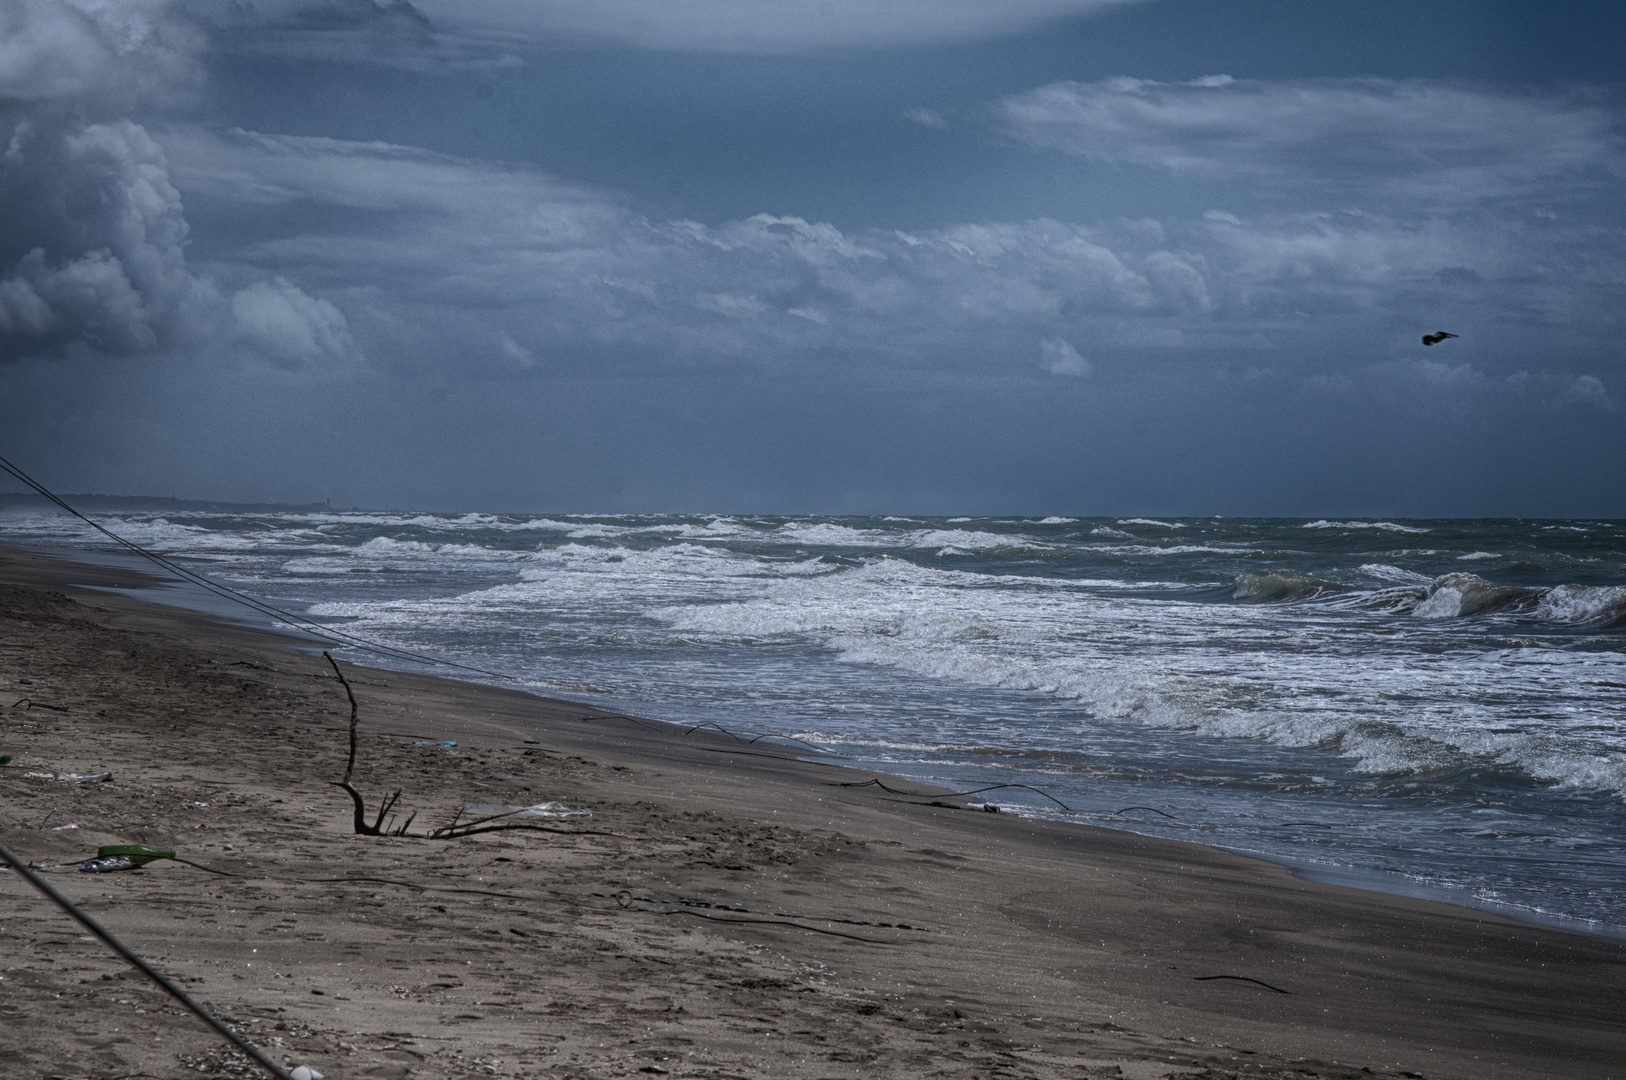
(868, 256)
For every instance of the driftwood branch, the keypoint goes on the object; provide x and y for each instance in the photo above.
(377, 827)
(355, 712)
(361, 825)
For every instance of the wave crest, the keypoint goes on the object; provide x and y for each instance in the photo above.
(1279, 587)
(1461, 595)
(1584, 605)
(1383, 526)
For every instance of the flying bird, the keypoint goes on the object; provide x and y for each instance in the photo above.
(1435, 339)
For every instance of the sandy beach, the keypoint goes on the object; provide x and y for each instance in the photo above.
(727, 910)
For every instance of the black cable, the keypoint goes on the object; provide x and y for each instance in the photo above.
(142, 966)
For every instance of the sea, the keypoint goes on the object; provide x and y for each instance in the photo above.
(1426, 707)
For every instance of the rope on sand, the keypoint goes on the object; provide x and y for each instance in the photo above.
(142, 966)
(32, 704)
(625, 898)
(775, 922)
(1239, 978)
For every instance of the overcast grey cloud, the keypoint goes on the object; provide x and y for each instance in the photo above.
(1190, 289)
(764, 26)
(1436, 143)
(98, 55)
(569, 268)
(566, 270)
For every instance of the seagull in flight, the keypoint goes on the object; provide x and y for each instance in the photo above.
(1435, 339)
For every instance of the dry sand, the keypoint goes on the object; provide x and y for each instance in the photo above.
(975, 944)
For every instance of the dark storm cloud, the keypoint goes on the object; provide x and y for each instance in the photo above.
(96, 250)
(93, 241)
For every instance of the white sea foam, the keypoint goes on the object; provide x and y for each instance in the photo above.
(1151, 521)
(967, 540)
(1583, 605)
(1385, 526)
(1057, 521)
(830, 534)
(388, 546)
(1173, 549)
(824, 738)
(687, 559)
(1385, 572)
(891, 614)
(1474, 556)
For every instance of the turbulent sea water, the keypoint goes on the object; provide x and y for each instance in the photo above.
(1420, 706)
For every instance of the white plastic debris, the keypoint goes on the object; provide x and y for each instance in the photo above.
(59, 828)
(83, 778)
(304, 1072)
(546, 809)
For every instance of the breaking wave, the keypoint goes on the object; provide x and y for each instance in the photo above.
(1275, 588)
(1384, 526)
(1450, 596)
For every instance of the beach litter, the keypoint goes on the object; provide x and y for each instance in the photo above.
(60, 828)
(546, 809)
(84, 778)
(111, 857)
(432, 742)
(6, 759)
(304, 1072)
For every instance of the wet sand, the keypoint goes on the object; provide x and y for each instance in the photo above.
(728, 910)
